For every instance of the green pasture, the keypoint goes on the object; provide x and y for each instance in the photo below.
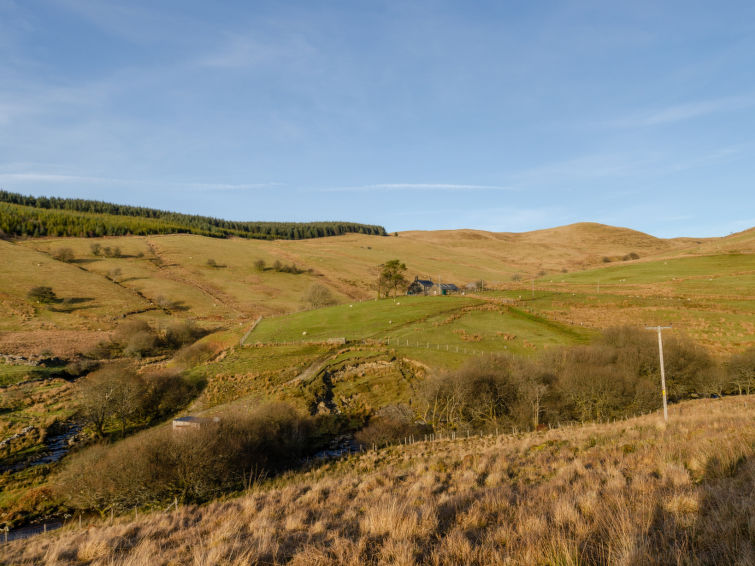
(712, 270)
(437, 327)
(356, 321)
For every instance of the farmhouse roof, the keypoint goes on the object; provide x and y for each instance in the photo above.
(423, 282)
(193, 419)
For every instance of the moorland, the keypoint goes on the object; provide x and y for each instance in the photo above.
(335, 401)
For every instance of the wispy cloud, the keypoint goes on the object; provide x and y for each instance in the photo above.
(229, 186)
(585, 167)
(418, 187)
(59, 179)
(686, 111)
(241, 51)
(54, 178)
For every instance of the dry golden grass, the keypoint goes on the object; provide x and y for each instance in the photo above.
(630, 492)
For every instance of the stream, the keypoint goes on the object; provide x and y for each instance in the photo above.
(56, 446)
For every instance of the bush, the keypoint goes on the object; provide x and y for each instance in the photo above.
(63, 254)
(140, 344)
(630, 256)
(259, 265)
(195, 354)
(318, 296)
(741, 371)
(96, 248)
(484, 393)
(165, 393)
(42, 295)
(182, 333)
(136, 338)
(193, 465)
(391, 424)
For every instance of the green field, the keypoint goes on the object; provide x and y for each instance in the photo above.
(720, 270)
(428, 322)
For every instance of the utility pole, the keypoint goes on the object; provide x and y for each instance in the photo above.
(663, 373)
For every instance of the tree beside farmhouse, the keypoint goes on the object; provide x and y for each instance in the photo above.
(391, 277)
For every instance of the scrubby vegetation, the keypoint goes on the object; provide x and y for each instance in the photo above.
(138, 339)
(616, 376)
(192, 465)
(631, 492)
(51, 216)
(116, 396)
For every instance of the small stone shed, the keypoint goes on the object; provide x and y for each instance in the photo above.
(192, 423)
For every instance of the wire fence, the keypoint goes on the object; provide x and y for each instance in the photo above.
(395, 342)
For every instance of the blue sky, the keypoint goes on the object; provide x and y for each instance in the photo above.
(505, 116)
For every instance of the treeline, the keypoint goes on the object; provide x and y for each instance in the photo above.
(51, 216)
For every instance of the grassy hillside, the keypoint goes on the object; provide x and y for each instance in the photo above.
(219, 281)
(710, 298)
(630, 492)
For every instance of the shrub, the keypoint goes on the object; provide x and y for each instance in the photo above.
(606, 259)
(482, 394)
(259, 265)
(193, 465)
(318, 296)
(194, 354)
(630, 256)
(392, 423)
(741, 371)
(63, 254)
(42, 295)
(136, 337)
(140, 344)
(516, 277)
(165, 393)
(80, 367)
(112, 252)
(96, 248)
(181, 333)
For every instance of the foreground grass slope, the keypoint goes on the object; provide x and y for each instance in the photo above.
(629, 492)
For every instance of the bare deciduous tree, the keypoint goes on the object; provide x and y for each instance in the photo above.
(318, 296)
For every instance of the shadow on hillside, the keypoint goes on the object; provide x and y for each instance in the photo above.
(177, 306)
(715, 531)
(73, 304)
(127, 279)
(84, 261)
